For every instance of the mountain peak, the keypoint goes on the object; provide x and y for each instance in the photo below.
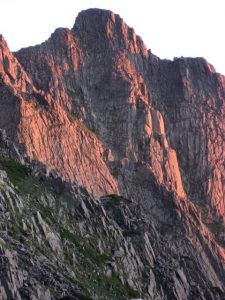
(142, 135)
(96, 14)
(96, 11)
(102, 29)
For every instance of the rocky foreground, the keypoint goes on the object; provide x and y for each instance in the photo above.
(111, 169)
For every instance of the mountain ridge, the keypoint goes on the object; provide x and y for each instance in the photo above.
(95, 105)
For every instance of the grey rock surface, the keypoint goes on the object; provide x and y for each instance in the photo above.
(112, 169)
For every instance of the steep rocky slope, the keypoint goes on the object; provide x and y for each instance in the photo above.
(144, 136)
(56, 240)
(49, 133)
(192, 100)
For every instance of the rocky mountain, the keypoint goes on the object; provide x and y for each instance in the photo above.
(111, 169)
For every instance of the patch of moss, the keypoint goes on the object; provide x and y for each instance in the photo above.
(94, 256)
(68, 258)
(16, 229)
(88, 252)
(133, 293)
(113, 288)
(19, 175)
(15, 171)
(68, 235)
(47, 213)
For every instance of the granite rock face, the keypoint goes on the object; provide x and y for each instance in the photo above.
(48, 132)
(144, 137)
(195, 118)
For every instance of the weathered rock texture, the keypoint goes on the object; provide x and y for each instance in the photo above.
(95, 105)
(48, 132)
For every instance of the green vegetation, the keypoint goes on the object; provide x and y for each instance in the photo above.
(133, 293)
(25, 184)
(19, 175)
(91, 277)
(16, 229)
(68, 258)
(91, 271)
(15, 171)
(66, 234)
(112, 287)
(90, 266)
(113, 201)
(88, 252)
(47, 214)
(95, 256)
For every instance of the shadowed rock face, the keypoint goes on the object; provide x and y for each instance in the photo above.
(104, 90)
(49, 133)
(191, 97)
(98, 107)
(102, 73)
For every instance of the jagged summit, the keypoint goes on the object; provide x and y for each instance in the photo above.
(142, 142)
(98, 12)
(96, 18)
(102, 29)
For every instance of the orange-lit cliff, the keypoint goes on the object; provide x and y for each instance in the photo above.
(95, 105)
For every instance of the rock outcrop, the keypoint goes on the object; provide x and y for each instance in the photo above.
(143, 136)
(48, 132)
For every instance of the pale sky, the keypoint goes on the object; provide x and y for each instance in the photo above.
(170, 28)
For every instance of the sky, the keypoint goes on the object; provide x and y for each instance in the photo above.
(170, 28)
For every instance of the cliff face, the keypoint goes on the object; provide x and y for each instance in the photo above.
(48, 132)
(192, 101)
(102, 73)
(93, 78)
(104, 112)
